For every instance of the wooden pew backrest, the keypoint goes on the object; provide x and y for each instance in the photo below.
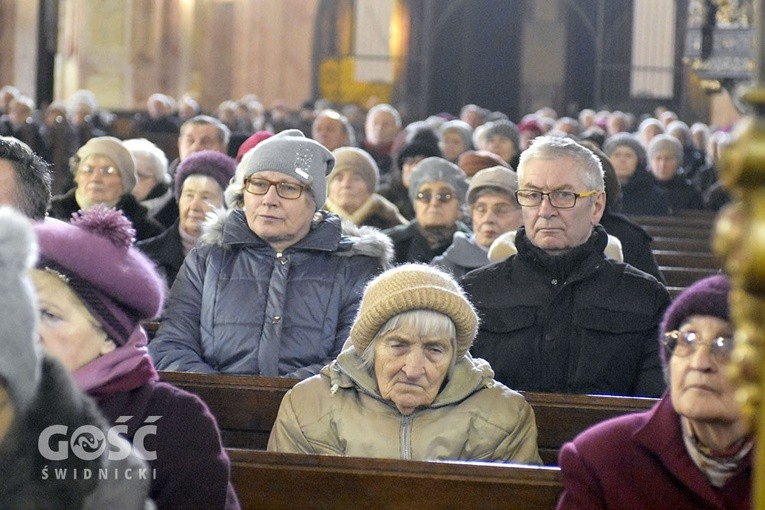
(286, 481)
(246, 408)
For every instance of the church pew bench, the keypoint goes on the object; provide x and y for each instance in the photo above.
(286, 481)
(246, 408)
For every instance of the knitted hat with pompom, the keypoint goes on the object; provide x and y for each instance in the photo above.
(94, 255)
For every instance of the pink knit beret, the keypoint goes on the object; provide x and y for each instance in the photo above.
(94, 255)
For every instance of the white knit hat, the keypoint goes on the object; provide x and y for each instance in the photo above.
(19, 350)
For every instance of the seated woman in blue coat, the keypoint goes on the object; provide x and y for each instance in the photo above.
(274, 283)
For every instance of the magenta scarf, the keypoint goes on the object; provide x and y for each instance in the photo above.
(125, 368)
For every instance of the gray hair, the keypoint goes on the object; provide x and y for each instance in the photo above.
(344, 122)
(155, 158)
(666, 142)
(558, 147)
(424, 322)
(224, 133)
(384, 107)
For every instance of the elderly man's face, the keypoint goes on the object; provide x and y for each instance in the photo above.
(664, 165)
(199, 137)
(552, 229)
(99, 180)
(280, 222)
(493, 214)
(349, 190)
(699, 387)
(437, 205)
(380, 128)
(410, 368)
(329, 132)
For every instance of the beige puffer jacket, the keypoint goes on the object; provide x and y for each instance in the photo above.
(340, 412)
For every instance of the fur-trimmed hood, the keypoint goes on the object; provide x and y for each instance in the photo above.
(328, 233)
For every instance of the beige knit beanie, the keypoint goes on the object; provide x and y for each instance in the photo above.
(413, 287)
(352, 158)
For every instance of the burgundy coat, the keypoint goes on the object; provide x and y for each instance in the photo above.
(640, 461)
(192, 468)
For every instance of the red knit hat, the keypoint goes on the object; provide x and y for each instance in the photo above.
(252, 141)
(472, 161)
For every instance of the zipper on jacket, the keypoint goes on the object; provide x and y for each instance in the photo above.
(406, 437)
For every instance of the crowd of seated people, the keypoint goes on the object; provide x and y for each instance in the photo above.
(273, 232)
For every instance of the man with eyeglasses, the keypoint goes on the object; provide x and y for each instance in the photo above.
(559, 316)
(494, 210)
(274, 284)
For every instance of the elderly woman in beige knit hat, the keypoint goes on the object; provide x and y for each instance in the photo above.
(104, 174)
(406, 387)
(351, 191)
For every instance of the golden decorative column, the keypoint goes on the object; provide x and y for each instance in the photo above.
(740, 240)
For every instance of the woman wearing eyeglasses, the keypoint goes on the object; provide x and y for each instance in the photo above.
(104, 173)
(437, 191)
(274, 283)
(693, 448)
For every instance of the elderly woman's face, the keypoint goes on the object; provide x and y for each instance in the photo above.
(453, 145)
(410, 368)
(493, 214)
(67, 330)
(99, 180)
(625, 162)
(349, 190)
(700, 389)
(436, 205)
(200, 194)
(664, 165)
(502, 146)
(281, 222)
(145, 179)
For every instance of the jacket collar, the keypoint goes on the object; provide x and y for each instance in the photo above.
(579, 261)
(662, 435)
(469, 375)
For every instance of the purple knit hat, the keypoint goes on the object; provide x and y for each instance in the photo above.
(94, 254)
(210, 163)
(705, 297)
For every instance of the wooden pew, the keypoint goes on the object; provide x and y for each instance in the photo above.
(246, 408)
(681, 231)
(699, 260)
(684, 276)
(704, 219)
(286, 481)
(561, 417)
(681, 244)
